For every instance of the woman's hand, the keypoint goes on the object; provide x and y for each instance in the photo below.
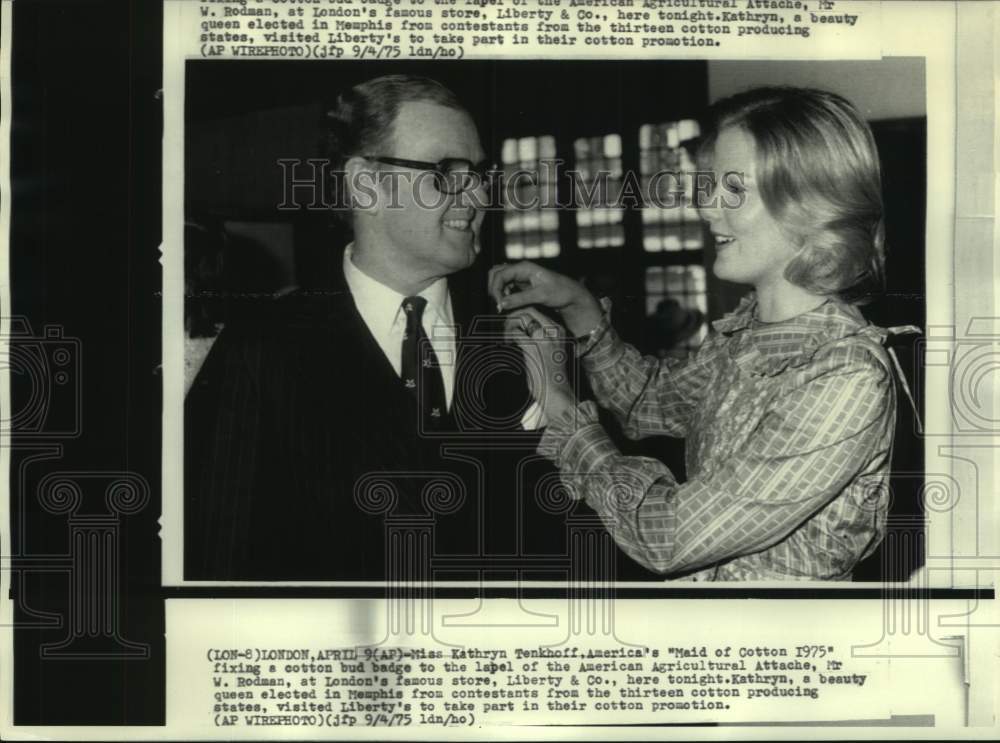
(543, 343)
(517, 285)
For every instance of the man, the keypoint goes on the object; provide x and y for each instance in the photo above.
(317, 421)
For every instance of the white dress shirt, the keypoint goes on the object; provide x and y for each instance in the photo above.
(382, 310)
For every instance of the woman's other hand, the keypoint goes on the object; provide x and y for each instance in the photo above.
(518, 285)
(543, 343)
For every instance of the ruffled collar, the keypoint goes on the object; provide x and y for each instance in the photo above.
(767, 349)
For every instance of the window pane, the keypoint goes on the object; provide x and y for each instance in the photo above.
(669, 220)
(531, 223)
(676, 308)
(597, 183)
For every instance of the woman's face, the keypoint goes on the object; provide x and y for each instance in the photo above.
(751, 247)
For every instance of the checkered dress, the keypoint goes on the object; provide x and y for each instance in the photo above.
(788, 430)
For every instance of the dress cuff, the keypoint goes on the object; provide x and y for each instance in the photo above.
(591, 466)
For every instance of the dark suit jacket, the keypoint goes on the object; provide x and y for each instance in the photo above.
(298, 430)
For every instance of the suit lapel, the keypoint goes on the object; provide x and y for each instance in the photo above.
(346, 322)
(468, 297)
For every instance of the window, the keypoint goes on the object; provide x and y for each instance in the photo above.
(659, 239)
(669, 221)
(597, 184)
(531, 218)
(676, 307)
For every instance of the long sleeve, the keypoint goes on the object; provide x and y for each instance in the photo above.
(648, 396)
(809, 445)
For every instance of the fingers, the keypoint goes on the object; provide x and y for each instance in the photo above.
(527, 327)
(522, 299)
(533, 324)
(520, 325)
(534, 333)
(509, 274)
(495, 281)
(515, 327)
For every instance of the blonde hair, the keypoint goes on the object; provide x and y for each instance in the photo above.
(819, 177)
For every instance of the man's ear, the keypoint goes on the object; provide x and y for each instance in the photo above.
(362, 186)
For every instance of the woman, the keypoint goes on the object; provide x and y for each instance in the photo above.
(788, 407)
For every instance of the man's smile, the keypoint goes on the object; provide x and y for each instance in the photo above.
(463, 225)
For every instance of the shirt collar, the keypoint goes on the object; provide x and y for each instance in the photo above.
(769, 348)
(381, 305)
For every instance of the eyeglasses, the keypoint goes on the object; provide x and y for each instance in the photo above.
(452, 175)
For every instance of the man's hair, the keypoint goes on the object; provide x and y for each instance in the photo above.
(819, 177)
(361, 120)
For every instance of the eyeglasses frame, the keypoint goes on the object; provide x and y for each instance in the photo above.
(480, 169)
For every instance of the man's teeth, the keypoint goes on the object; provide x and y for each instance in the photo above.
(723, 239)
(457, 224)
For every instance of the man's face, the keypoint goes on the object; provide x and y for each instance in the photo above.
(430, 234)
